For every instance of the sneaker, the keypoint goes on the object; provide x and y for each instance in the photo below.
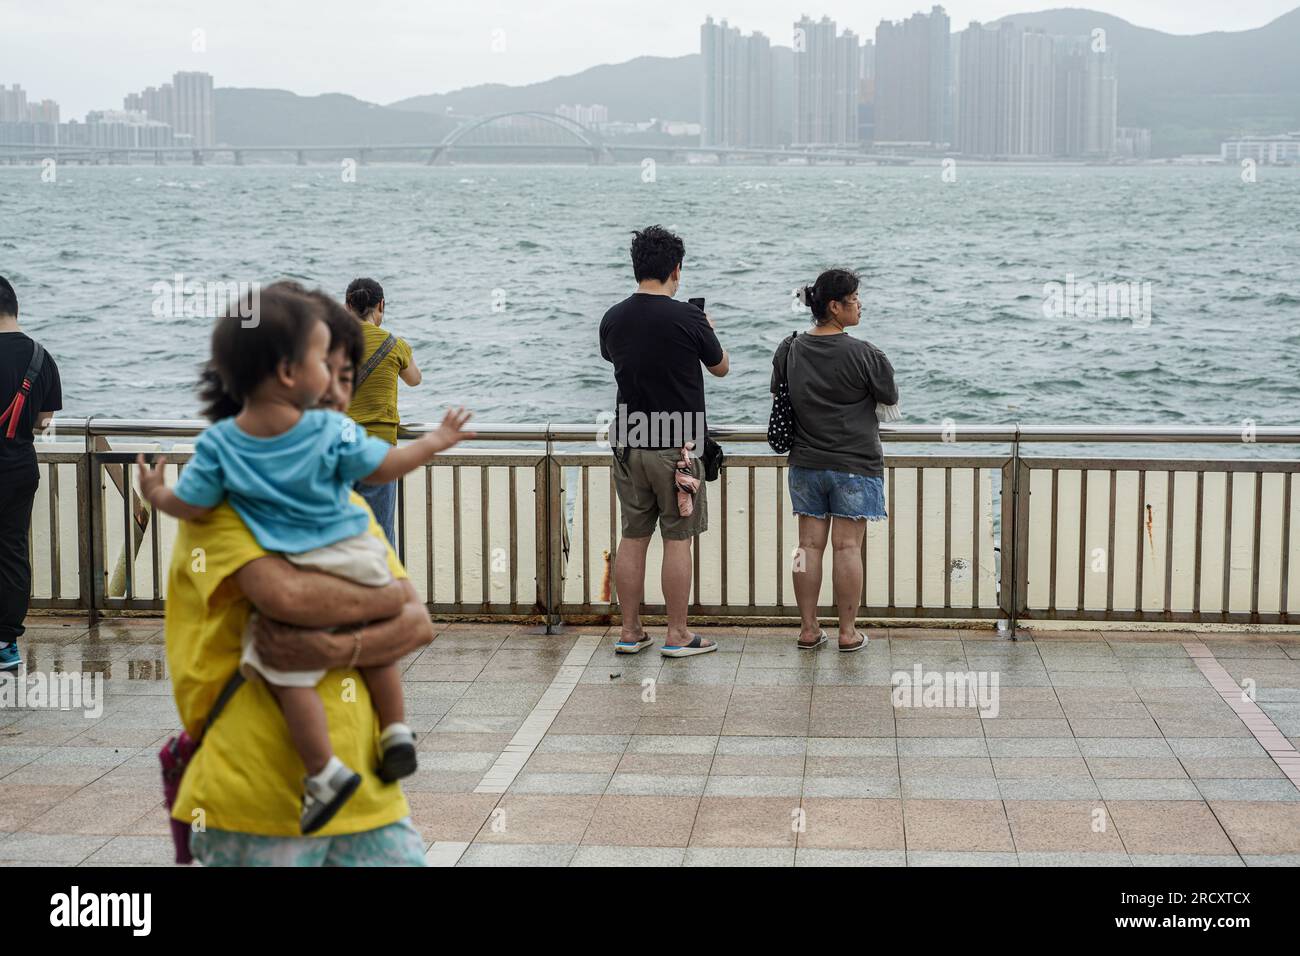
(10, 659)
(398, 745)
(324, 794)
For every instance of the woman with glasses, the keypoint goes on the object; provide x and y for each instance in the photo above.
(836, 464)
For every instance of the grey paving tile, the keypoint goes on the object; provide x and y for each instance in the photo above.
(879, 787)
(1124, 747)
(741, 786)
(663, 785)
(816, 857)
(518, 854)
(156, 850)
(763, 746)
(575, 783)
(1254, 789)
(1010, 747)
(584, 743)
(852, 746)
(1154, 789)
(739, 856)
(950, 788)
(671, 744)
(1075, 859)
(1279, 859)
(628, 856)
(942, 747)
(50, 848)
(942, 858)
(1066, 788)
(1184, 859)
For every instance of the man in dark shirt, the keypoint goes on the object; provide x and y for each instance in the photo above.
(18, 472)
(657, 346)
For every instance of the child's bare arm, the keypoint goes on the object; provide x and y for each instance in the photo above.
(404, 460)
(153, 488)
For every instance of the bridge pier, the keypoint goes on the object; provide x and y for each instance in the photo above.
(158, 158)
(302, 157)
(239, 157)
(363, 157)
(198, 157)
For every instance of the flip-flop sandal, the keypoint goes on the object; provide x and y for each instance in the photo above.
(855, 647)
(821, 639)
(696, 646)
(633, 647)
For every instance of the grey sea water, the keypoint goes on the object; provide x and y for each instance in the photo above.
(498, 277)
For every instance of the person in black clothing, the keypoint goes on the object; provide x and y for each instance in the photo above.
(26, 407)
(657, 346)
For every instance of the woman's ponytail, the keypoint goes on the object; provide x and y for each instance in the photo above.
(363, 296)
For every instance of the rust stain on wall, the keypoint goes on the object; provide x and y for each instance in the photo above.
(1151, 541)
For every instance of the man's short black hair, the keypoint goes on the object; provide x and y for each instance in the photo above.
(8, 298)
(656, 252)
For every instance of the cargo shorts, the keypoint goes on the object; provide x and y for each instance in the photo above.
(645, 480)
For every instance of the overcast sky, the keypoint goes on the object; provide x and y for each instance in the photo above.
(87, 54)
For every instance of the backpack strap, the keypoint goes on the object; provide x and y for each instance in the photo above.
(223, 698)
(14, 412)
(372, 363)
(785, 365)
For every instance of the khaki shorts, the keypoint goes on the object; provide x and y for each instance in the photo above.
(647, 492)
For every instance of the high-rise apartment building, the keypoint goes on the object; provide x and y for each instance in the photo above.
(185, 104)
(826, 84)
(194, 112)
(1026, 94)
(1087, 99)
(1034, 121)
(912, 90)
(985, 98)
(13, 104)
(737, 95)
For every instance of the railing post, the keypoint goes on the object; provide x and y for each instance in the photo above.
(554, 541)
(1019, 566)
(93, 559)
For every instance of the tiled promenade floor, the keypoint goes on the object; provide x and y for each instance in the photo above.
(1107, 748)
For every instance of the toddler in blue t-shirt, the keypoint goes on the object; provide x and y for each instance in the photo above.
(287, 469)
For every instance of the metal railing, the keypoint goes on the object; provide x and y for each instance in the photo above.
(513, 527)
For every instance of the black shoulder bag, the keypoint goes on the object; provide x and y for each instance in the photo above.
(780, 423)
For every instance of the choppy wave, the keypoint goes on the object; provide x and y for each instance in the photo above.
(952, 279)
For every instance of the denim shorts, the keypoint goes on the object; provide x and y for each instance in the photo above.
(821, 493)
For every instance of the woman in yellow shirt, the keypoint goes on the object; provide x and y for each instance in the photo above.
(240, 793)
(374, 401)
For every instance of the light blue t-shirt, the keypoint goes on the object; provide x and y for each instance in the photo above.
(292, 490)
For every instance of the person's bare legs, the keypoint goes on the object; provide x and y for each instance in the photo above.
(813, 533)
(385, 685)
(309, 729)
(846, 574)
(675, 576)
(629, 578)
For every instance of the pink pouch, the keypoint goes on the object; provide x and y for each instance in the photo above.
(175, 756)
(687, 484)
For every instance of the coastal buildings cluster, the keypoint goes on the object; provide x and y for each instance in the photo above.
(989, 91)
(176, 114)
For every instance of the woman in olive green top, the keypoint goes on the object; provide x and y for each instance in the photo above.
(374, 403)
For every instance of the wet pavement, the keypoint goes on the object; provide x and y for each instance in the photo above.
(1114, 748)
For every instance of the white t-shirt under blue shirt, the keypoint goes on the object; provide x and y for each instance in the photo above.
(292, 490)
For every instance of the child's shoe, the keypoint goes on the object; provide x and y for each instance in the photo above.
(324, 794)
(398, 746)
